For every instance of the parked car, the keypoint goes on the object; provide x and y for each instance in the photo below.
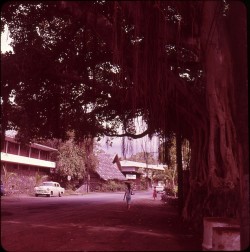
(2, 189)
(49, 188)
(160, 188)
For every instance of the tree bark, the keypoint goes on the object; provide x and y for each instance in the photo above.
(179, 171)
(217, 181)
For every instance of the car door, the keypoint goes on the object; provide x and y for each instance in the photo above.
(57, 188)
(54, 189)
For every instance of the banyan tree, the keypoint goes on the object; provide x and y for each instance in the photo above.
(180, 65)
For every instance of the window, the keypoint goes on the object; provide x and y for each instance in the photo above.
(44, 155)
(3, 149)
(34, 153)
(24, 151)
(13, 148)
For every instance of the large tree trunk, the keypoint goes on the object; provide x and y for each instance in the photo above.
(237, 28)
(222, 174)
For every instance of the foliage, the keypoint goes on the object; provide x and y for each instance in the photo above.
(167, 150)
(39, 178)
(159, 176)
(144, 183)
(70, 87)
(167, 154)
(144, 157)
(7, 175)
(112, 185)
(79, 81)
(73, 159)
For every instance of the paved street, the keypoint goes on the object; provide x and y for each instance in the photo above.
(92, 222)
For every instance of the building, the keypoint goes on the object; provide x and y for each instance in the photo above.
(138, 172)
(24, 166)
(105, 173)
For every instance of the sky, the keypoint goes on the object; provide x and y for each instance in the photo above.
(5, 41)
(133, 147)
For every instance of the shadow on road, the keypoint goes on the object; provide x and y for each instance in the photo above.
(94, 222)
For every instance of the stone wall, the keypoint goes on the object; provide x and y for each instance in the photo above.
(22, 181)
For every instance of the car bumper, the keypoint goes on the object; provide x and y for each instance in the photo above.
(42, 192)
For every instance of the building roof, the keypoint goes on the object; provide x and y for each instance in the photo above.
(107, 169)
(34, 145)
(128, 163)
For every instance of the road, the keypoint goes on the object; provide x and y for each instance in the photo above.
(92, 222)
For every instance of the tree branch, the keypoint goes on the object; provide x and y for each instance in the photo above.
(134, 136)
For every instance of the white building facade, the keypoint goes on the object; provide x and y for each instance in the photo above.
(22, 166)
(139, 172)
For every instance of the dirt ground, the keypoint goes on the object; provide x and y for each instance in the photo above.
(94, 222)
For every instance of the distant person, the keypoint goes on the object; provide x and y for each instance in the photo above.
(154, 193)
(127, 195)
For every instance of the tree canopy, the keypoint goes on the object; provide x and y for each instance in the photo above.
(93, 66)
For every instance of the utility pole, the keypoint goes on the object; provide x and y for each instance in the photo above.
(87, 179)
(87, 171)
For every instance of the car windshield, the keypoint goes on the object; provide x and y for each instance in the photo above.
(48, 184)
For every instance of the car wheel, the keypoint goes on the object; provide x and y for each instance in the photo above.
(36, 195)
(48, 195)
(59, 194)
